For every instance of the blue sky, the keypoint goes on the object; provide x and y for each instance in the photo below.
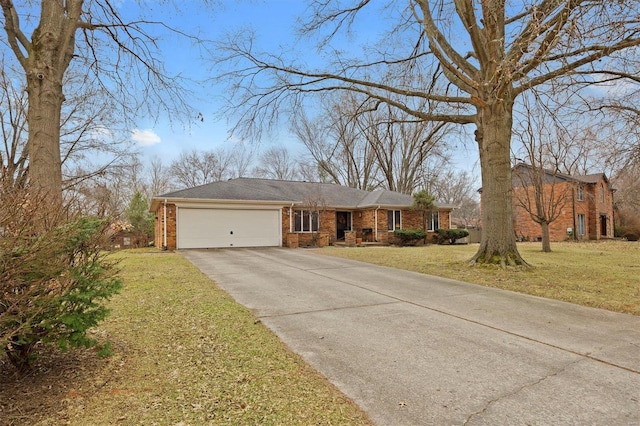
(274, 22)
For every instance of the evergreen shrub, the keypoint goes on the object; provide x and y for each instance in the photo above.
(409, 237)
(54, 281)
(449, 236)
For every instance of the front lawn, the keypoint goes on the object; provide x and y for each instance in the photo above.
(183, 353)
(604, 274)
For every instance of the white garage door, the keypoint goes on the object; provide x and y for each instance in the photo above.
(211, 228)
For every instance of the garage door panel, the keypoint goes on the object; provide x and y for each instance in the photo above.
(213, 228)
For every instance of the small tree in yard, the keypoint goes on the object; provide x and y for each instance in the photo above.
(540, 193)
(52, 283)
(314, 204)
(139, 217)
(423, 202)
(539, 188)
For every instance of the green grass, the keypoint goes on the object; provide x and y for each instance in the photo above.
(186, 353)
(599, 274)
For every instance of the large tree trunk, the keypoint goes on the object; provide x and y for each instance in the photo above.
(546, 243)
(52, 47)
(45, 170)
(493, 135)
(49, 54)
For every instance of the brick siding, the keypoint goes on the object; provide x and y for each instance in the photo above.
(566, 196)
(409, 219)
(326, 234)
(171, 227)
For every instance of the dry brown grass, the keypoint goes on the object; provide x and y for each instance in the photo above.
(604, 274)
(184, 353)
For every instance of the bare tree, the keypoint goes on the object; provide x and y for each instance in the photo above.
(239, 159)
(13, 122)
(454, 187)
(102, 196)
(467, 213)
(540, 189)
(458, 188)
(627, 184)
(89, 140)
(367, 145)
(309, 171)
(159, 179)
(489, 53)
(573, 139)
(620, 115)
(107, 194)
(309, 218)
(406, 149)
(75, 32)
(92, 137)
(336, 142)
(196, 168)
(542, 194)
(277, 163)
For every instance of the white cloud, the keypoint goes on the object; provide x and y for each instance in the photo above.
(101, 132)
(145, 137)
(615, 87)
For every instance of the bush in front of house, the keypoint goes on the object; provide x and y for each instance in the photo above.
(628, 232)
(443, 236)
(54, 279)
(628, 226)
(409, 237)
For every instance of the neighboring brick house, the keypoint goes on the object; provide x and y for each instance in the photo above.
(584, 205)
(248, 212)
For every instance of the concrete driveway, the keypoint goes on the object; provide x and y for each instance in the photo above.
(413, 349)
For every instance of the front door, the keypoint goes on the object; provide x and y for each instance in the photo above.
(603, 225)
(343, 223)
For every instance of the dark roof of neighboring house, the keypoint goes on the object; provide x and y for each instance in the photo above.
(291, 192)
(521, 176)
(593, 178)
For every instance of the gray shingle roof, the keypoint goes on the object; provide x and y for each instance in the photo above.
(522, 176)
(269, 190)
(593, 178)
(383, 197)
(252, 189)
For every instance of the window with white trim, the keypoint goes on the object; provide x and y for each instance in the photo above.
(394, 218)
(433, 221)
(581, 227)
(580, 192)
(306, 221)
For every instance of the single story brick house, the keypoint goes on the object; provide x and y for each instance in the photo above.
(584, 205)
(249, 212)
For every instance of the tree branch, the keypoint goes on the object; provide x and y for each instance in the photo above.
(457, 69)
(15, 36)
